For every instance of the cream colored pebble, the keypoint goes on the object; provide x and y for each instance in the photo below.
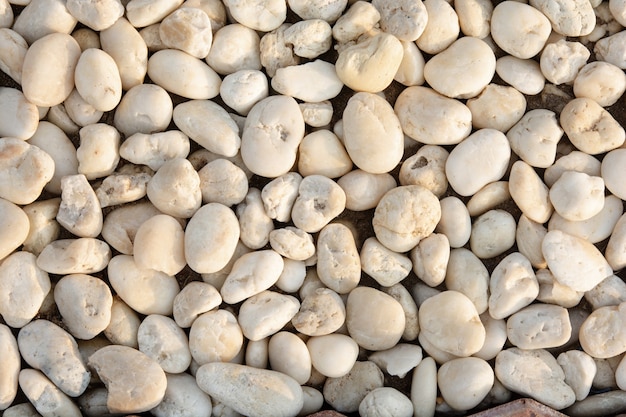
(80, 211)
(398, 360)
(493, 233)
(215, 336)
(602, 333)
(96, 15)
(159, 245)
(235, 47)
(577, 196)
(252, 273)
(575, 18)
(12, 52)
(260, 15)
(122, 330)
(140, 15)
(519, 29)
(44, 228)
(155, 149)
(614, 253)
(515, 271)
(338, 261)
(601, 81)
(44, 395)
(175, 188)
(129, 51)
(187, 29)
(98, 153)
(442, 27)
(495, 337)
(11, 364)
(87, 38)
(359, 18)
(242, 89)
(411, 70)
(426, 168)
(289, 354)
(539, 326)
(579, 369)
(424, 388)
(363, 189)
(275, 52)
(322, 312)
(466, 274)
(292, 243)
(145, 108)
(404, 297)
(19, 118)
(553, 292)
(310, 38)
(194, 299)
(455, 222)
(497, 107)
(561, 61)
(474, 17)
(430, 259)
(292, 277)
(295, 81)
(488, 197)
(573, 161)
(523, 74)
(98, 79)
(322, 153)
(407, 20)
(223, 182)
(121, 224)
(385, 266)
(528, 236)
(317, 114)
(529, 192)
(160, 338)
(254, 223)
(328, 10)
(319, 201)
(264, 314)
(74, 256)
(465, 382)
(41, 18)
(80, 111)
(535, 137)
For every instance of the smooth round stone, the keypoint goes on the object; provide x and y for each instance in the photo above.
(72, 293)
(215, 336)
(338, 261)
(385, 266)
(611, 291)
(98, 79)
(254, 222)
(279, 196)
(404, 216)
(143, 13)
(161, 339)
(430, 259)
(126, 46)
(431, 118)
(615, 253)
(6, 15)
(519, 29)
(313, 400)
(264, 392)
(442, 27)
(319, 201)
(45, 396)
(572, 18)
(462, 70)
(183, 74)
(522, 74)
(406, 20)
(364, 190)
(79, 111)
(317, 114)
(398, 360)
(529, 192)
(98, 153)
(54, 56)
(24, 170)
(497, 107)
(44, 228)
(252, 273)
(159, 245)
(292, 243)
(321, 313)
(295, 81)
(42, 18)
(145, 108)
(535, 373)
(264, 314)
(474, 17)
(591, 128)
(601, 334)
(528, 236)
(14, 227)
(235, 48)
(74, 256)
(47, 347)
(292, 277)
(23, 288)
(579, 369)
(466, 274)
(260, 15)
(135, 382)
(411, 70)
(426, 168)
(175, 188)
(600, 81)
(242, 89)
(370, 65)
(455, 222)
(577, 196)
(10, 362)
(271, 135)
(561, 61)
(289, 354)
(122, 330)
(358, 19)
(495, 337)
(612, 166)
(539, 326)
(183, 397)
(404, 297)
(465, 382)
(194, 299)
(155, 149)
(87, 38)
(310, 38)
(481, 158)
(19, 118)
(493, 233)
(210, 238)
(146, 291)
(121, 224)
(374, 332)
(424, 388)
(367, 119)
(573, 161)
(96, 15)
(257, 353)
(535, 138)
(386, 400)
(345, 393)
(590, 268)
(450, 322)
(333, 355)
(514, 271)
(187, 29)
(328, 10)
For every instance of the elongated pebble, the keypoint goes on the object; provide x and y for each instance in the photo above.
(98, 79)
(466, 274)
(279, 196)
(10, 362)
(74, 256)
(242, 89)
(45, 396)
(12, 52)
(338, 261)
(140, 15)
(160, 338)
(254, 223)
(455, 222)
(289, 354)
(569, 18)
(266, 313)
(442, 27)
(514, 271)
(251, 274)
(430, 258)
(14, 225)
(529, 192)
(319, 201)
(424, 388)
(122, 329)
(129, 51)
(385, 266)
(294, 81)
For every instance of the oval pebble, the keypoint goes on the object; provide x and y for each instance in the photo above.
(145, 108)
(183, 397)
(321, 312)
(345, 393)
(579, 369)
(215, 336)
(539, 326)
(333, 355)
(466, 274)
(519, 29)
(19, 117)
(295, 81)
(266, 313)
(602, 334)
(14, 227)
(129, 51)
(289, 354)
(98, 79)
(529, 192)
(10, 363)
(497, 107)
(535, 137)
(430, 259)
(122, 330)
(194, 299)
(385, 400)
(601, 81)
(493, 233)
(455, 222)
(252, 273)
(385, 266)
(74, 256)
(338, 261)
(292, 243)
(612, 167)
(364, 190)
(514, 271)
(160, 338)
(159, 245)
(568, 18)
(319, 201)
(426, 168)
(424, 388)
(45, 396)
(465, 382)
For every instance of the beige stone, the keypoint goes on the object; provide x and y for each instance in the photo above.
(74, 256)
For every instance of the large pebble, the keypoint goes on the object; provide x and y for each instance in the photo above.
(568, 17)
(129, 51)
(155, 149)
(561, 61)
(321, 313)
(251, 391)
(591, 128)
(74, 256)
(135, 382)
(49, 348)
(519, 29)
(426, 168)
(98, 153)
(221, 181)
(345, 393)
(579, 369)
(404, 216)
(84, 303)
(385, 266)
(98, 80)
(145, 108)
(474, 17)
(497, 107)
(271, 135)
(24, 170)
(147, 291)
(252, 273)
(442, 27)
(514, 271)
(215, 336)
(386, 400)
(398, 360)
(52, 57)
(493, 233)
(183, 397)
(378, 332)
(465, 382)
(289, 354)
(18, 117)
(10, 363)
(450, 321)
(175, 188)
(422, 111)
(430, 259)
(529, 192)
(295, 81)
(535, 373)
(463, 69)
(96, 15)
(338, 261)
(159, 245)
(467, 274)
(535, 138)
(45, 396)
(14, 227)
(539, 326)
(264, 314)
(523, 74)
(601, 81)
(161, 339)
(574, 262)
(573, 161)
(481, 158)
(370, 65)
(368, 119)
(319, 201)
(602, 334)
(333, 355)
(310, 38)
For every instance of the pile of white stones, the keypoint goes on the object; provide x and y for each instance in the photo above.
(105, 235)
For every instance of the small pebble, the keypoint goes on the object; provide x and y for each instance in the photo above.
(430, 259)
(319, 201)
(573, 161)
(466, 274)
(19, 118)
(398, 360)
(615, 254)
(610, 291)
(159, 245)
(465, 382)
(13, 47)
(183, 397)
(10, 362)
(145, 108)
(442, 27)
(321, 313)
(215, 336)
(535, 137)
(560, 61)
(96, 15)
(292, 243)
(497, 107)
(258, 14)
(539, 326)
(601, 334)
(160, 338)
(406, 20)
(495, 337)
(528, 236)
(522, 74)
(322, 153)
(194, 299)
(424, 388)
(252, 273)
(120, 225)
(98, 153)
(242, 89)
(289, 354)
(358, 19)
(74, 256)
(514, 271)
(98, 79)
(328, 10)
(175, 188)
(275, 52)
(474, 17)
(385, 266)
(553, 292)
(14, 227)
(254, 223)
(187, 29)
(266, 313)
(404, 297)
(488, 197)
(455, 222)
(317, 114)
(310, 38)
(386, 400)
(333, 355)
(295, 81)
(426, 168)
(279, 196)
(493, 233)
(338, 261)
(600, 81)
(122, 330)
(411, 70)
(364, 190)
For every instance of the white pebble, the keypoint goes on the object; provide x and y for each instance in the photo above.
(41, 18)
(522, 74)
(98, 79)
(424, 388)
(252, 273)
(121, 224)
(74, 256)
(573, 161)
(45, 396)
(577, 196)
(96, 15)
(14, 227)
(569, 18)
(279, 196)
(430, 259)
(275, 52)
(145, 108)
(333, 355)
(411, 70)
(80, 111)
(406, 20)
(187, 29)
(381, 401)
(328, 10)
(535, 137)
(466, 274)
(143, 13)
(183, 397)
(292, 277)
(385, 266)
(175, 188)
(322, 312)
(319, 201)
(519, 29)
(615, 255)
(561, 61)
(442, 26)
(44, 228)
(317, 114)
(98, 153)
(289, 354)
(266, 313)
(295, 81)
(322, 153)
(529, 192)
(310, 38)
(261, 15)
(359, 18)
(254, 223)
(122, 330)
(528, 236)
(455, 222)
(11, 363)
(474, 17)
(242, 89)
(514, 271)
(493, 233)
(539, 326)
(338, 262)
(215, 336)
(579, 369)
(404, 297)
(194, 299)
(601, 81)
(610, 291)
(497, 107)
(495, 337)
(426, 168)
(398, 360)
(160, 338)
(363, 189)
(465, 382)
(129, 51)
(19, 118)
(159, 245)
(553, 292)
(13, 49)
